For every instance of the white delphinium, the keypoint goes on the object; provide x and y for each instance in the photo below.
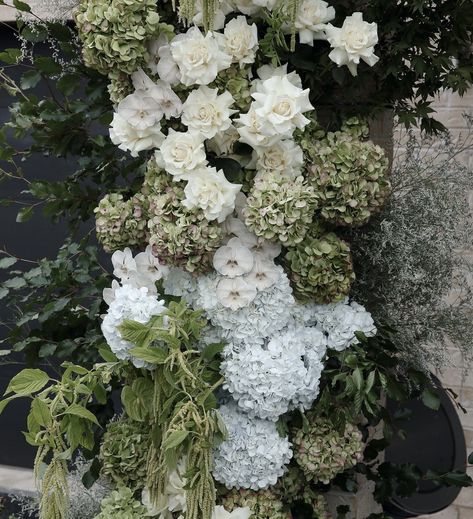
(264, 273)
(281, 105)
(149, 266)
(198, 57)
(209, 190)
(160, 91)
(233, 260)
(256, 244)
(235, 293)
(352, 42)
(140, 110)
(269, 312)
(270, 379)
(131, 303)
(161, 61)
(129, 138)
(240, 41)
(254, 455)
(181, 153)
(108, 294)
(284, 158)
(207, 112)
(311, 20)
(124, 265)
(341, 323)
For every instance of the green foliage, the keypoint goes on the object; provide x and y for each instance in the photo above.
(56, 304)
(178, 402)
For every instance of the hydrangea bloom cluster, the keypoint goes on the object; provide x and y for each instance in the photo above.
(322, 452)
(254, 455)
(263, 504)
(121, 504)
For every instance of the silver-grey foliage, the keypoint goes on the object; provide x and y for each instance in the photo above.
(414, 270)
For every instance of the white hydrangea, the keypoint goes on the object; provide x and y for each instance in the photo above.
(254, 455)
(269, 312)
(341, 323)
(352, 42)
(180, 283)
(131, 303)
(128, 138)
(267, 381)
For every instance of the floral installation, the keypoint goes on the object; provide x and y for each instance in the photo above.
(246, 370)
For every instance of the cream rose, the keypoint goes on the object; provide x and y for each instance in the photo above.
(284, 158)
(311, 19)
(240, 40)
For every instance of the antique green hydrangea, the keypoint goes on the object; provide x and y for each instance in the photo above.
(115, 33)
(179, 236)
(320, 268)
(120, 86)
(351, 178)
(121, 504)
(357, 127)
(280, 209)
(293, 487)
(236, 81)
(120, 223)
(123, 453)
(322, 452)
(264, 504)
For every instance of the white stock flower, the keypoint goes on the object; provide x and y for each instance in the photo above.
(148, 265)
(311, 20)
(353, 42)
(284, 158)
(240, 41)
(140, 110)
(237, 513)
(181, 153)
(131, 303)
(264, 273)
(251, 126)
(209, 190)
(198, 57)
(124, 265)
(253, 455)
(235, 293)
(129, 138)
(207, 112)
(161, 92)
(281, 105)
(233, 260)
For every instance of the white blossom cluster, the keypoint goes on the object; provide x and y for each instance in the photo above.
(135, 299)
(253, 455)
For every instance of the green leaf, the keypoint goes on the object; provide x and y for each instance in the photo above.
(22, 6)
(470, 458)
(3, 292)
(6, 263)
(41, 412)
(151, 355)
(30, 79)
(15, 283)
(6, 401)
(174, 439)
(82, 412)
(10, 56)
(27, 382)
(431, 399)
(107, 354)
(47, 65)
(212, 350)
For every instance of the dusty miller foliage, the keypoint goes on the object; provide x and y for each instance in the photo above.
(412, 263)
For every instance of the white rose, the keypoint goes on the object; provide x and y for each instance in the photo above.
(140, 110)
(311, 19)
(235, 293)
(284, 158)
(268, 71)
(240, 40)
(238, 513)
(355, 40)
(161, 92)
(254, 7)
(198, 57)
(209, 190)
(251, 127)
(280, 105)
(222, 143)
(233, 260)
(161, 61)
(207, 112)
(181, 153)
(129, 138)
(218, 21)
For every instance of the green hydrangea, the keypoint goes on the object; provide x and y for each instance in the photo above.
(322, 451)
(120, 223)
(121, 504)
(357, 127)
(123, 453)
(293, 488)
(320, 268)
(179, 236)
(264, 504)
(120, 86)
(115, 33)
(237, 82)
(280, 209)
(351, 178)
